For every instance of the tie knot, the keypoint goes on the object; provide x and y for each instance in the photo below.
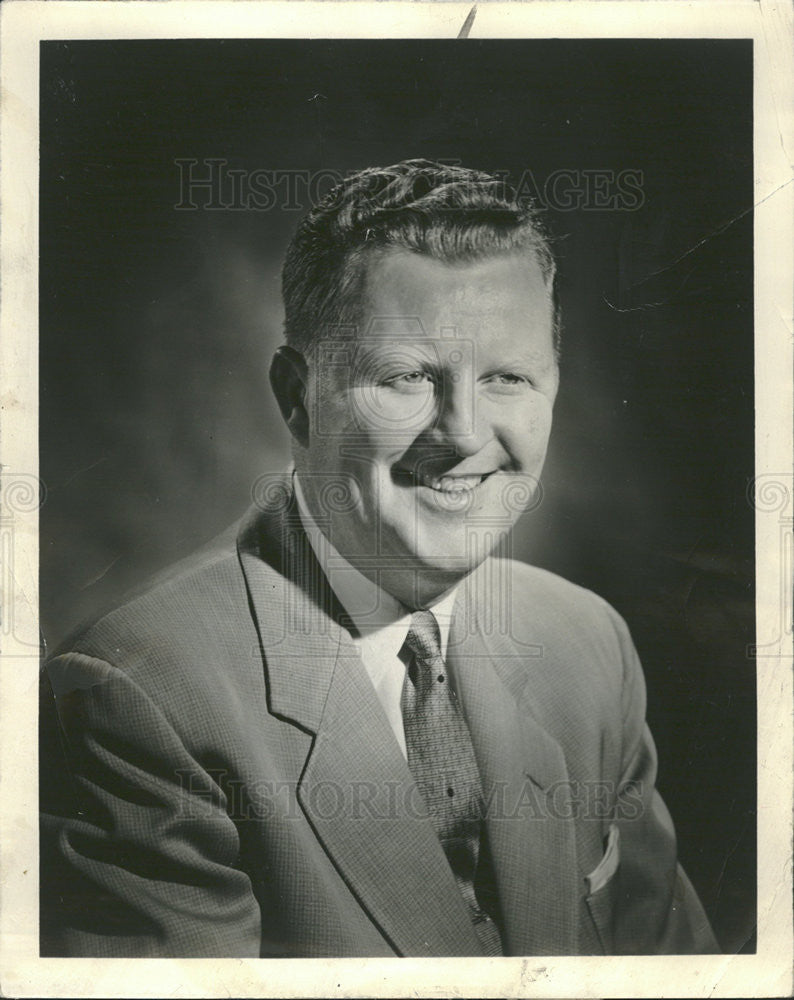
(424, 637)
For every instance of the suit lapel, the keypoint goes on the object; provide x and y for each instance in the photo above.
(361, 800)
(525, 782)
(356, 790)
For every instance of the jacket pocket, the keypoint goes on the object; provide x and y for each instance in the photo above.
(602, 888)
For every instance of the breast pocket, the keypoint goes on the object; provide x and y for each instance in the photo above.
(602, 887)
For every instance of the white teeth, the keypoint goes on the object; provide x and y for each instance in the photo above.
(451, 484)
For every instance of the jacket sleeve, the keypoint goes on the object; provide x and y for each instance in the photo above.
(138, 852)
(657, 909)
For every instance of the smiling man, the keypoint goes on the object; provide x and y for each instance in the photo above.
(444, 406)
(346, 729)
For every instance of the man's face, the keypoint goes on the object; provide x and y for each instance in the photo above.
(429, 423)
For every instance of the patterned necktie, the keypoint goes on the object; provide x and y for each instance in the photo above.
(442, 762)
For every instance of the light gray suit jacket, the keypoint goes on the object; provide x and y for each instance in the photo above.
(218, 776)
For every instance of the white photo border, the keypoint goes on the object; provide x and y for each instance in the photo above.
(24, 23)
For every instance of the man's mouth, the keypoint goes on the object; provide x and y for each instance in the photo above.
(448, 484)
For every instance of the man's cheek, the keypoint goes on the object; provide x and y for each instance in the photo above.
(527, 449)
(535, 439)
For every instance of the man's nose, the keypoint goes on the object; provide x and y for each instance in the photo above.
(458, 421)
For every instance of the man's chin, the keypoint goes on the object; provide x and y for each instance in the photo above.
(424, 582)
(453, 555)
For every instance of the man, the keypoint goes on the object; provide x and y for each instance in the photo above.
(346, 729)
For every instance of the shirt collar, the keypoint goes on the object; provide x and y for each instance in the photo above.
(381, 620)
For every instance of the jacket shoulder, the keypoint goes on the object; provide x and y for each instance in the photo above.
(583, 677)
(539, 598)
(193, 604)
(574, 635)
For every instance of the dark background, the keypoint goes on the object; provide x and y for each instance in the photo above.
(157, 326)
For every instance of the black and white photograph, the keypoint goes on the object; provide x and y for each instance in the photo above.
(406, 522)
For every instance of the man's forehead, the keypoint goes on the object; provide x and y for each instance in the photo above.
(417, 310)
(414, 296)
(479, 284)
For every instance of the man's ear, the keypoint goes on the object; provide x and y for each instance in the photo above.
(288, 379)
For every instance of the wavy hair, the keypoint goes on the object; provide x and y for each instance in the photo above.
(451, 213)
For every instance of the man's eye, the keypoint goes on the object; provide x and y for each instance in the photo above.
(409, 379)
(508, 378)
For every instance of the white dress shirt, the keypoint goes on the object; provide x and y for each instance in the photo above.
(381, 620)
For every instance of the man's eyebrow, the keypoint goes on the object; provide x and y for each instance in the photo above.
(515, 360)
(388, 345)
(531, 359)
